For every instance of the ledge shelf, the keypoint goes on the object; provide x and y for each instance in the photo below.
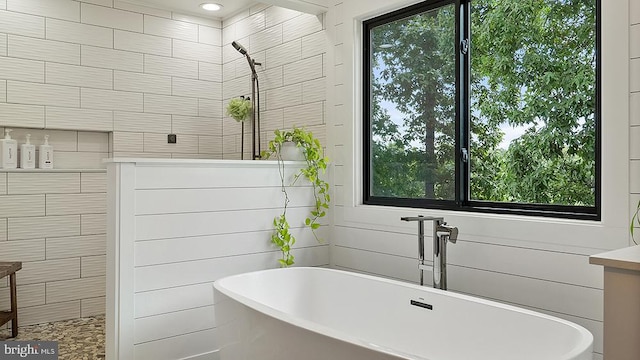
(53, 170)
(621, 299)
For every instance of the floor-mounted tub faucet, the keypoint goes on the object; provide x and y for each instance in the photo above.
(442, 233)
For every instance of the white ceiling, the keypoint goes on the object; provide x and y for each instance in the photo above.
(230, 7)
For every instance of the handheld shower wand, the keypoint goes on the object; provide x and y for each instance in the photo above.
(255, 119)
(239, 47)
(242, 50)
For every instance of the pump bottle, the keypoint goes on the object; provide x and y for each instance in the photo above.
(8, 151)
(46, 154)
(28, 154)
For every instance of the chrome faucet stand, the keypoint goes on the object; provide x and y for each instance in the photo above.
(442, 233)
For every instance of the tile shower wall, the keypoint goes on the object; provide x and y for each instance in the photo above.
(80, 70)
(113, 66)
(54, 223)
(292, 47)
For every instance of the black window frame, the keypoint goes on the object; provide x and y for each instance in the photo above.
(463, 200)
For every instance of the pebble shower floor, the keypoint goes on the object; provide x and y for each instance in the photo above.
(78, 339)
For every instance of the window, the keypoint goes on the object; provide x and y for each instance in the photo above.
(484, 105)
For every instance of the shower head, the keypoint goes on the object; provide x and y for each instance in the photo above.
(243, 51)
(240, 48)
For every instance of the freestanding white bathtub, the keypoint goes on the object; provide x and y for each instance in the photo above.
(322, 314)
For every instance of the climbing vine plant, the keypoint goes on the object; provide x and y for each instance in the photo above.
(316, 165)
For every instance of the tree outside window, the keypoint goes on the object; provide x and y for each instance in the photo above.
(521, 102)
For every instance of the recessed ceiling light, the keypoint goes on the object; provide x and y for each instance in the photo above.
(211, 6)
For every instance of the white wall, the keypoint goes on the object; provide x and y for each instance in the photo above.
(54, 223)
(112, 66)
(79, 70)
(292, 49)
(192, 223)
(537, 263)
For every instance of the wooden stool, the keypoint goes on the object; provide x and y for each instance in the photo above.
(10, 268)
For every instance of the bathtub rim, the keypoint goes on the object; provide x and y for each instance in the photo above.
(585, 341)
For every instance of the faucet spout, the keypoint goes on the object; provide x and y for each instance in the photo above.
(421, 218)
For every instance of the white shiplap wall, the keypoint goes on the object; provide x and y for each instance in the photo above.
(54, 222)
(292, 49)
(541, 264)
(113, 66)
(193, 223)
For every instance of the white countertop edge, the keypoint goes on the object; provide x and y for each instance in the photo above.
(55, 171)
(626, 258)
(181, 162)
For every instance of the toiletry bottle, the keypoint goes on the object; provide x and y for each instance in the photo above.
(46, 154)
(28, 154)
(8, 151)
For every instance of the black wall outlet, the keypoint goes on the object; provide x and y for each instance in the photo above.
(172, 138)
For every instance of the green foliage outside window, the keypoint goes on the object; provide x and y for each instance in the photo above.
(532, 68)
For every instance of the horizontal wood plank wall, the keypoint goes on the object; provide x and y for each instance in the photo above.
(193, 224)
(539, 264)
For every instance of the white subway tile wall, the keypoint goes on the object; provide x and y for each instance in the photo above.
(101, 65)
(111, 18)
(21, 24)
(3, 45)
(41, 49)
(54, 223)
(3, 90)
(171, 28)
(162, 65)
(291, 47)
(149, 44)
(74, 32)
(123, 5)
(20, 92)
(80, 76)
(3, 184)
(59, 9)
(111, 59)
(21, 69)
(93, 306)
(29, 115)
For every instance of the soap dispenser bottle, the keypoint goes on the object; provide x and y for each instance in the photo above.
(8, 151)
(28, 154)
(46, 154)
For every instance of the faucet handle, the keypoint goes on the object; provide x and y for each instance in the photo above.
(451, 232)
